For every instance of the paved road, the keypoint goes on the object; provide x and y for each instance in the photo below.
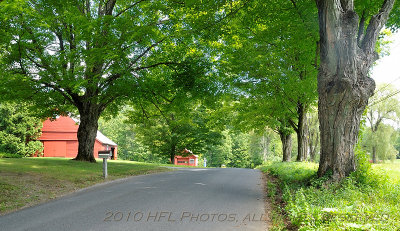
(187, 199)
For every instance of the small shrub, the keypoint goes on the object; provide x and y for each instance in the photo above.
(363, 166)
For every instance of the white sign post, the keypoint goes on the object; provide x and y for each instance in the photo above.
(104, 155)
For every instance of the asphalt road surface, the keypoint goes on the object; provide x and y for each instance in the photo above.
(186, 199)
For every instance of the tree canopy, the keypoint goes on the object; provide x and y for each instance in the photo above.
(86, 56)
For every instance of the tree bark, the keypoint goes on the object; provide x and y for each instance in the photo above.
(343, 83)
(286, 139)
(301, 132)
(87, 132)
(172, 153)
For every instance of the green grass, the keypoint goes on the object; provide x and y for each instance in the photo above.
(314, 204)
(28, 181)
(391, 168)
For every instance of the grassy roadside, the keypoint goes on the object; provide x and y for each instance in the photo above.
(28, 181)
(363, 201)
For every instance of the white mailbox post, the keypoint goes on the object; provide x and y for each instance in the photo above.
(105, 155)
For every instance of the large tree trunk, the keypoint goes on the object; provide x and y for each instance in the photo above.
(286, 139)
(346, 54)
(301, 132)
(87, 132)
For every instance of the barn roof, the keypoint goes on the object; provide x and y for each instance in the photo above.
(60, 124)
(104, 139)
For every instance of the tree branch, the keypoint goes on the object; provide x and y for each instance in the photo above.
(375, 25)
(67, 96)
(146, 51)
(361, 28)
(128, 8)
(293, 125)
(154, 65)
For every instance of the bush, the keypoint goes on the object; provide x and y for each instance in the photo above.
(12, 144)
(19, 131)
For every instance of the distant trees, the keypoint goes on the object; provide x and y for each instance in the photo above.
(150, 139)
(19, 131)
(380, 143)
(119, 130)
(244, 149)
(169, 134)
(383, 108)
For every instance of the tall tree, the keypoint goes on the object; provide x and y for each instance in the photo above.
(86, 56)
(271, 57)
(347, 50)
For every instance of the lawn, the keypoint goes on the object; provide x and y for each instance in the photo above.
(28, 181)
(361, 202)
(391, 168)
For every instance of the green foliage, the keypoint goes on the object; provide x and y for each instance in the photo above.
(269, 60)
(243, 150)
(123, 133)
(19, 131)
(90, 57)
(363, 165)
(383, 140)
(369, 203)
(166, 133)
(380, 137)
(239, 151)
(101, 54)
(382, 45)
(151, 141)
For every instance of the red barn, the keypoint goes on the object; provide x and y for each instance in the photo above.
(190, 160)
(59, 138)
